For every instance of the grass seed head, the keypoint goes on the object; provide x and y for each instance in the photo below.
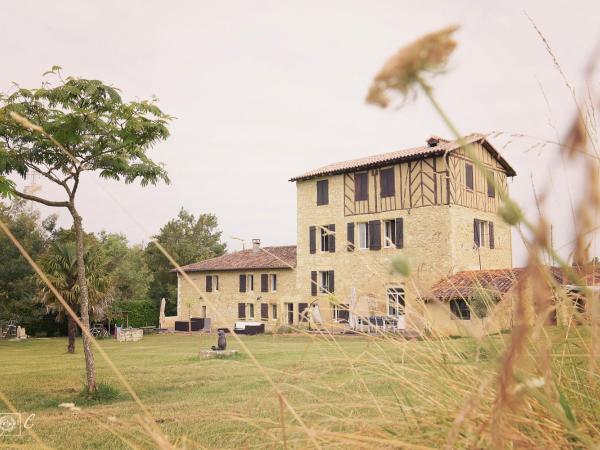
(428, 54)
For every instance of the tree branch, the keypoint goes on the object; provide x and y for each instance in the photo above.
(41, 200)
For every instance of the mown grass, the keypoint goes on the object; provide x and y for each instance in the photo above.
(353, 391)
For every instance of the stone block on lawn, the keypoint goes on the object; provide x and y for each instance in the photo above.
(215, 354)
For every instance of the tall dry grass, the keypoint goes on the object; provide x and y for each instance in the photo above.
(535, 387)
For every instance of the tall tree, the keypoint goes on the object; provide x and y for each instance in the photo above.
(127, 265)
(65, 130)
(188, 239)
(60, 264)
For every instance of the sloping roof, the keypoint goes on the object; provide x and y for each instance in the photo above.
(464, 284)
(263, 258)
(442, 146)
(496, 282)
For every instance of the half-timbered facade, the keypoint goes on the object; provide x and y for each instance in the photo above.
(432, 207)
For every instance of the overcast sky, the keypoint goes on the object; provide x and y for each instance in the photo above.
(265, 90)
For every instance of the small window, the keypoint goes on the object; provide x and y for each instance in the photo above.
(460, 309)
(361, 186)
(324, 239)
(491, 189)
(273, 311)
(483, 233)
(386, 181)
(363, 235)
(340, 313)
(250, 310)
(273, 282)
(469, 176)
(249, 282)
(322, 192)
(389, 239)
(212, 283)
(395, 301)
(326, 282)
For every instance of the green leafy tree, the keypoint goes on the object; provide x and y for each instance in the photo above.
(188, 239)
(60, 265)
(73, 127)
(17, 280)
(127, 265)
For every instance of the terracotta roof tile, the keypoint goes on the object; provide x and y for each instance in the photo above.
(440, 148)
(497, 281)
(264, 258)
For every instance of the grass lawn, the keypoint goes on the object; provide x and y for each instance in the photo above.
(349, 391)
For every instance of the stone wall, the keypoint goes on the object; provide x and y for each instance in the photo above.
(222, 306)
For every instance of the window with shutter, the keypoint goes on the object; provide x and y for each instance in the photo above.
(363, 235)
(386, 181)
(460, 309)
(241, 310)
(322, 192)
(331, 282)
(361, 186)
(250, 282)
(312, 239)
(273, 282)
(208, 283)
(374, 234)
(324, 234)
(264, 282)
(242, 283)
(469, 176)
(264, 311)
(399, 232)
(313, 283)
(331, 237)
(273, 311)
(389, 233)
(350, 237)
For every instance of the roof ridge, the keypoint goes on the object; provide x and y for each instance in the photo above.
(441, 147)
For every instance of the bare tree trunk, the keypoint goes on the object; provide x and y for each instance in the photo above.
(72, 330)
(84, 302)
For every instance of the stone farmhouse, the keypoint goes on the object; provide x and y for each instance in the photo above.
(432, 206)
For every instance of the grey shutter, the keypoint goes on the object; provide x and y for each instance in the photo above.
(264, 311)
(264, 282)
(322, 192)
(491, 235)
(208, 283)
(386, 177)
(242, 283)
(242, 310)
(312, 239)
(313, 283)
(361, 186)
(399, 233)
(331, 238)
(350, 237)
(375, 234)
(331, 282)
(476, 233)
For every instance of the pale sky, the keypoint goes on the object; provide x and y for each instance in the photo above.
(263, 91)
